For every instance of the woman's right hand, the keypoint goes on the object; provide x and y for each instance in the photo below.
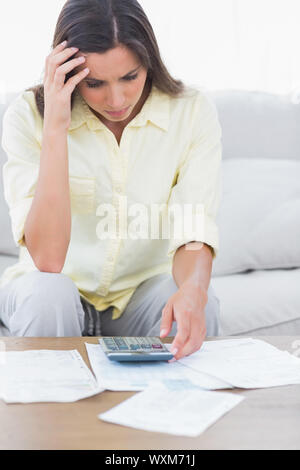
(57, 93)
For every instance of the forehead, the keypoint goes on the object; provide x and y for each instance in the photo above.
(114, 63)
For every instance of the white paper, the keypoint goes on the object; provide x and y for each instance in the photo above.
(136, 376)
(245, 363)
(181, 410)
(45, 376)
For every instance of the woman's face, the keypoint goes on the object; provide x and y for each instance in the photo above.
(115, 82)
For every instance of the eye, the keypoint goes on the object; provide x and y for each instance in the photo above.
(93, 85)
(96, 85)
(132, 77)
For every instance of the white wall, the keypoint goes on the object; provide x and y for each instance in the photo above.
(246, 44)
(26, 31)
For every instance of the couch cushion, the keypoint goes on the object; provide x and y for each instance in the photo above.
(7, 245)
(3, 330)
(6, 261)
(259, 218)
(258, 124)
(258, 300)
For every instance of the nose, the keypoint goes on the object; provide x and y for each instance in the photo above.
(115, 100)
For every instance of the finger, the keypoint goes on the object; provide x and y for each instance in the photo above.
(193, 344)
(183, 332)
(73, 81)
(60, 74)
(58, 48)
(167, 320)
(56, 59)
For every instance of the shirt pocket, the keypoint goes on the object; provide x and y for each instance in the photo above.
(82, 192)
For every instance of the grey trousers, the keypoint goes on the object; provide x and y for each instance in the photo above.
(49, 304)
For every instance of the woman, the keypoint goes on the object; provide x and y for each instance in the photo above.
(110, 127)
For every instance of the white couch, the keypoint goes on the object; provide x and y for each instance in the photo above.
(257, 272)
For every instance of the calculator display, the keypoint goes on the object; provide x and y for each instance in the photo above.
(135, 348)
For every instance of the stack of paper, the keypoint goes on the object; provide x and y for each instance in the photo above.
(181, 407)
(183, 410)
(245, 363)
(45, 376)
(174, 397)
(127, 376)
(223, 364)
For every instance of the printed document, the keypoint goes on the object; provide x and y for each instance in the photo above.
(178, 408)
(45, 376)
(136, 376)
(245, 363)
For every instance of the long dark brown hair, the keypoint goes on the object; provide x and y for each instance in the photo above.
(101, 25)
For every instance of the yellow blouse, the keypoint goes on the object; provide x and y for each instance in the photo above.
(169, 154)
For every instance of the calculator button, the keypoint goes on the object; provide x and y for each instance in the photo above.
(109, 343)
(112, 347)
(157, 346)
(132, 341)
(133, 344)
(145, 343)
(120, 342)
(123, 347)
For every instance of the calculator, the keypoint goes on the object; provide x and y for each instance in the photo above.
(134, 348)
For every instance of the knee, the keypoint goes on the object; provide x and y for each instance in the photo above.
(45, 304)
(47, 296)
(212, 314)
(45, 287)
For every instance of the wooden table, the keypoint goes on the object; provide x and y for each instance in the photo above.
(266, 419)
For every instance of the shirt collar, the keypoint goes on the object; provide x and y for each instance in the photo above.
(155, 109)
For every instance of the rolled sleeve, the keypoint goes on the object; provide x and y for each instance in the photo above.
(20, 171)
(199, 185)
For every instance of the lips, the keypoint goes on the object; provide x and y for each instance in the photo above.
(118, 113)
(121, 111)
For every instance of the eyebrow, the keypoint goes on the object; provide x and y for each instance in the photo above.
(103, 81)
